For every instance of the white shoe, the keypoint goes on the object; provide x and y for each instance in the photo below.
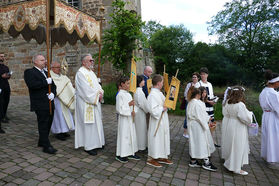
(242, 172)
(186, 135)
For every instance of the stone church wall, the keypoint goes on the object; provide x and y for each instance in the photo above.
(19, 52)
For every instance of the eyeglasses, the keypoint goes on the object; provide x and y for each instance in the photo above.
(91, 60)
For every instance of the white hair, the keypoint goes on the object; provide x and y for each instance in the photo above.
(34, 58)
(84, 56)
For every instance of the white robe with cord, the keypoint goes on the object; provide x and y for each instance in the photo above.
(235, 143)
(159, 145)
(126, 133)
(89, 131)
(64, 102)
(140, 118)
(200, 140)
(59, 124)
(269, 101)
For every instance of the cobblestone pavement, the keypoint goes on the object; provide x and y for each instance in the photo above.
(23, 163)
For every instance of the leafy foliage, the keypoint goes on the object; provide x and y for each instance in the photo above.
(249, 28)
(171, 46)
(121, 38)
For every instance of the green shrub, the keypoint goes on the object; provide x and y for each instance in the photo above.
(177, 110)
(110, 93)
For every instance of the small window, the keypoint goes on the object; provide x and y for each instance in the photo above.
(74, 3)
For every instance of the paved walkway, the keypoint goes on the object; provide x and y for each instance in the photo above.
(23, 163)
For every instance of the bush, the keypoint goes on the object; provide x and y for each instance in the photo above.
(110, 93)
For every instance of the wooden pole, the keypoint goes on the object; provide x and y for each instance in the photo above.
(176, 73)
(164, 68)
(100, 49)
(158, 125)
(47, 45)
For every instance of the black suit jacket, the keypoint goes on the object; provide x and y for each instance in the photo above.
(38, 89)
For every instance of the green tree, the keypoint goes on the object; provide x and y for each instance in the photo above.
(248, 27)
(171, 46)
(150, 28)
(123, 36)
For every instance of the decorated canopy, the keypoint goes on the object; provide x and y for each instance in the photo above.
(67, 24)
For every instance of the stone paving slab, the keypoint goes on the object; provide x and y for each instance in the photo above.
(23, 163)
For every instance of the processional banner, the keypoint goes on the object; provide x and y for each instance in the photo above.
(172, 94)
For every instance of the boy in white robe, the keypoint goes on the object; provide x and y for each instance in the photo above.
(140, 118)
(200, 141)
(236, 144)
(126, 134)
(159, 144)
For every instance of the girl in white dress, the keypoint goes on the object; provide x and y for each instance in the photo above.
(140, 118)
(235, 148)
(194, 83)
(269, 101)
(200, 141)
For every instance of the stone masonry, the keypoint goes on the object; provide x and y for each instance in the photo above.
(19, 52)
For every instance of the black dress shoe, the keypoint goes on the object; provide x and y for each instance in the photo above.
(66, 135)
(4, 120)
(49, 150)
(217, 145)
(2, 131)
(60, 137)
(92, 152)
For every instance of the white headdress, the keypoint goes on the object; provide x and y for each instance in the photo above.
(226, 95)
(274, 80)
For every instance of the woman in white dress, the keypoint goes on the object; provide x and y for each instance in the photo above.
(200, 141)
(269, 101)
(235, 148)
(140, 118)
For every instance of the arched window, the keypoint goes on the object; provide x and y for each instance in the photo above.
(74, 3)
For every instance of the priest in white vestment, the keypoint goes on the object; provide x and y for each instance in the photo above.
(269, 101)
(64, 103)
(89, 131)
(236, 120)
(201, 144)
(126, 133)
(159, 144)
(140, 118)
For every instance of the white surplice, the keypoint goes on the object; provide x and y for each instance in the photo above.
(200, 140)
(64, 102)
(159, 145)
(59, 124)
(235, 144)
(89, 131)
(140, 118)
(126, 132)
(269, 101)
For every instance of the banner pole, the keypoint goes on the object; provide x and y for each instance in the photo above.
(47, 46)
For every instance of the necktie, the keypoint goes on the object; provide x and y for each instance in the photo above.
(43, 73)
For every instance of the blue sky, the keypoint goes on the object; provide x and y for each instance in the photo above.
(193, 14)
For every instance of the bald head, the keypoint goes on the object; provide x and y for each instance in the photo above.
(56, 67)
(147, 71)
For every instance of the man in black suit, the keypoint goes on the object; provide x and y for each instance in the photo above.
(37, 82)
(1, 112)
(5, 75)
(146, 75)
